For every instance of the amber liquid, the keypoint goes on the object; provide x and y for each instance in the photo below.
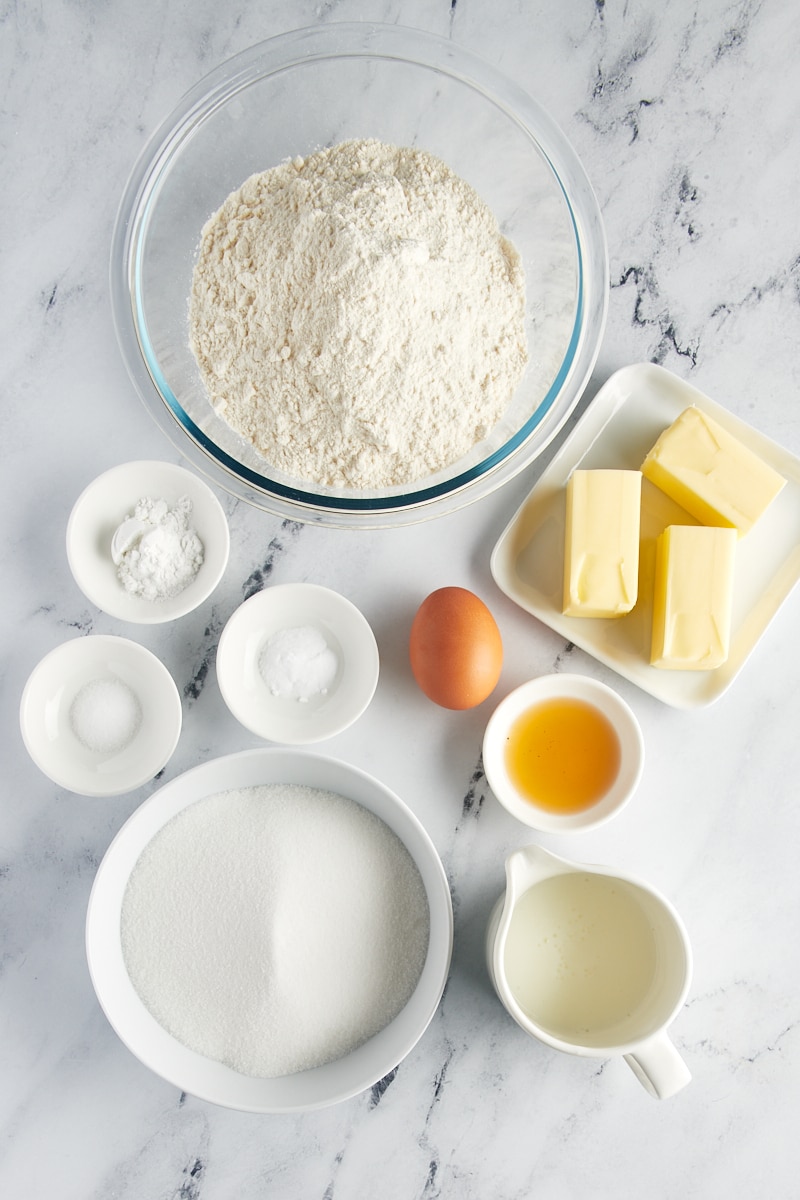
(563, 755)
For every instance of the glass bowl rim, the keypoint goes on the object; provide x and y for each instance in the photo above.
(338, 40)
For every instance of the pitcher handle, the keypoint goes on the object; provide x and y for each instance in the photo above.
(659, 1067)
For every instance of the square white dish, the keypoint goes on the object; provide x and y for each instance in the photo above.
(623, 421)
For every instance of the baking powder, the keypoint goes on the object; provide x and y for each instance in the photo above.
(156, 550)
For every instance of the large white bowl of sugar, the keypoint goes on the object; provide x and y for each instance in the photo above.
(271, 931)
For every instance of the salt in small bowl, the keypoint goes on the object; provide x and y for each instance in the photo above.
(610, 705)
(59, 685)
(283, 717)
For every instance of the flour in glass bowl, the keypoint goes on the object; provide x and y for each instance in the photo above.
(357, 315)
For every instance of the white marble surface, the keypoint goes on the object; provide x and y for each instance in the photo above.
(685, 115)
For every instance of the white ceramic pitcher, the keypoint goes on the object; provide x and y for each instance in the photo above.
(591, 962)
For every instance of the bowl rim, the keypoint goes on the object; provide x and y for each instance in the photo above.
(607, 701)
(202, 1077)
(360, 39)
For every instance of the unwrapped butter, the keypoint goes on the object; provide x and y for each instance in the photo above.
(711, 473)
(692, 597)
(601, 547)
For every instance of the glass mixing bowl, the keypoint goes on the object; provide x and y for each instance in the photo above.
(309, 89)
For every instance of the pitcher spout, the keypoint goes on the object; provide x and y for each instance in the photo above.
(530, 865)
(524, 868)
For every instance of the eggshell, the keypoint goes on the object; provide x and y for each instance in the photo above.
(455, 648)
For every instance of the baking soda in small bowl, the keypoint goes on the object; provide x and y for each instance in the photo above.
(298, 663)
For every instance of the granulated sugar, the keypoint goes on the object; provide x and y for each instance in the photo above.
(275, 928)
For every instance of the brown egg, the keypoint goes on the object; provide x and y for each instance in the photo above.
(455, 648)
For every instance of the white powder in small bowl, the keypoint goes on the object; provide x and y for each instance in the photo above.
(275, 928)
(156, 550)
(298, 663)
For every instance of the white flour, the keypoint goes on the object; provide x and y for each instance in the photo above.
(358, 316)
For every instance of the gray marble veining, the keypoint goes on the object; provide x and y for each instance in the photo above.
(685, 117)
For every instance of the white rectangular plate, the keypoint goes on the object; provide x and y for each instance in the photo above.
(619, 427)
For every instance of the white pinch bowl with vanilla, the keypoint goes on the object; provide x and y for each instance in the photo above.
(563, 753)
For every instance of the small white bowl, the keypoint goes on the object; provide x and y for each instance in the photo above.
(47, 728)
(103, 506)
(193, 1072)
(576, 687)
(281, 718)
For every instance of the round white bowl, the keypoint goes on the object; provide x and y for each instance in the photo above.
(309, 89)
(576, 687)
(201, 1076)
(47, 728)
(279, 718)
(101, 508)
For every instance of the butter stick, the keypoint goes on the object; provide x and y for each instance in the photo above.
(692, 597)
(711, 473)
(601, 547)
